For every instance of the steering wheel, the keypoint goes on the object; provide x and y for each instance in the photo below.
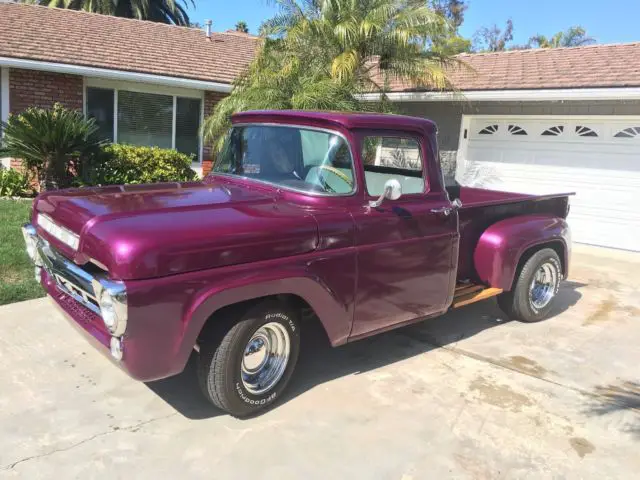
(337, 173)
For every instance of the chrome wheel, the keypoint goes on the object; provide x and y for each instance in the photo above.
(265, 358)
(543, 286)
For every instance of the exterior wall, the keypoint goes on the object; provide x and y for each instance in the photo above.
(210, 101)
(34, 88)
(448, 117)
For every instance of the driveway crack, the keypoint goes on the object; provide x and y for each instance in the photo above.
(86, 440)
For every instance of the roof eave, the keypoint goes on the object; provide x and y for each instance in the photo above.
(111, 74)
(556, 94)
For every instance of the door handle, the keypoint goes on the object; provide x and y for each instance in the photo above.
(445, 211)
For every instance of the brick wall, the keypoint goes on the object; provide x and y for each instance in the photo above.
(210, 100)
(34, 88)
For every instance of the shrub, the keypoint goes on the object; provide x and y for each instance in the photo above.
(53, 142)
(119, 164)
(14, 183)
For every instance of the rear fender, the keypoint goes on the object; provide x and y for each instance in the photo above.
(502, 246)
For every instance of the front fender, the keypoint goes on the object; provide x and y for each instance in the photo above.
(502, 245)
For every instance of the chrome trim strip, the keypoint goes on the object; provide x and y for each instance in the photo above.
(354, 170)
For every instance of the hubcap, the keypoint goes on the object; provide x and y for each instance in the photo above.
(543, 285)
(265, 358)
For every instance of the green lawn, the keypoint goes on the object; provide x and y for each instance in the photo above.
(17, 281)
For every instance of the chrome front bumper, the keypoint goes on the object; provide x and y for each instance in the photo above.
(69, 278)
(77, 283)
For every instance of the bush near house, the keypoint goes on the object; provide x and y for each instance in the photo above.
(54, 143)
(14, 183)
(119, 164)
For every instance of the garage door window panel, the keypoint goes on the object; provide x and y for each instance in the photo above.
(553, 131)
(631, 132)
(584, 131)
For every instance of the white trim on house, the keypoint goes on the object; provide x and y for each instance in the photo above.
(143, 87)
(114, 74)
(626, 93)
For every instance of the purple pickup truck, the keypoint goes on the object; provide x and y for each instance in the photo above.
(338, 218)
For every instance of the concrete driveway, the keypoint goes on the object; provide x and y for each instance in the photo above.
(466, 396)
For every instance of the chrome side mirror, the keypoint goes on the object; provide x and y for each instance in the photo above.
(392, 191)
(457, 203)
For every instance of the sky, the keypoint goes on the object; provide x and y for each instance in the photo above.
(610, 21)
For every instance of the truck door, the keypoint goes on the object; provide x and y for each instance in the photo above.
(406, 248)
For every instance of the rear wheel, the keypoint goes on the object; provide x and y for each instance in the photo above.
(245, 368)
(531, 297)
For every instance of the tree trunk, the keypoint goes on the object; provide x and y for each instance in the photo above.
(47, 175)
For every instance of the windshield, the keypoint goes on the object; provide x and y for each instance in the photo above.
(303, 159)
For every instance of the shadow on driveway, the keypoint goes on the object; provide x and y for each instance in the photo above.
(319, 363)
(616, 398)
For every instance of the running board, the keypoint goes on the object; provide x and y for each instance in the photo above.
(468, 294)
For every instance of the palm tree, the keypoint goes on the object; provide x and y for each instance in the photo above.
(242, 26)
(320, 54)
(396, 34)
(162, 11)
(572, 37)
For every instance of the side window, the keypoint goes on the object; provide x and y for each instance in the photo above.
(384, 158)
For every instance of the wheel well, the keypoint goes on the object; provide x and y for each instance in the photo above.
(228, 315)
(555, 245)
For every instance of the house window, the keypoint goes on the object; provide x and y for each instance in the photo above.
(146, 119)
(187, 125)
(100, 108)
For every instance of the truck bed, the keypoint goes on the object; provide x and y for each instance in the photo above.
(482, 208)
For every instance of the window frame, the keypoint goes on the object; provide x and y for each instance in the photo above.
(354, 160)
(175, 92)
(363, 134)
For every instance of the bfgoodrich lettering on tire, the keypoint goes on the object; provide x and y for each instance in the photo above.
(537, 284)
(246, 368)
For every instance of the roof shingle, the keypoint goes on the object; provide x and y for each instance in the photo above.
(88, 39)
(613, 65)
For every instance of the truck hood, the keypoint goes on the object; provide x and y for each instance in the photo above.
(145, 231)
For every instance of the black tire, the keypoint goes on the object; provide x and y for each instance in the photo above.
(519, 303)
(220, 360)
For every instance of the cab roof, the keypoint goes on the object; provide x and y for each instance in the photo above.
(345, 120)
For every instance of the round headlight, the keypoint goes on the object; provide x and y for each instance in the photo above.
(108, 311)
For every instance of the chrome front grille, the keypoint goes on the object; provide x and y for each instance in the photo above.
(70, 278)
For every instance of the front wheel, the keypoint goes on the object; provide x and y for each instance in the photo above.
(531, 297)
(246, 369)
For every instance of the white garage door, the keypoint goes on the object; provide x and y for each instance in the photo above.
(597, 157)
